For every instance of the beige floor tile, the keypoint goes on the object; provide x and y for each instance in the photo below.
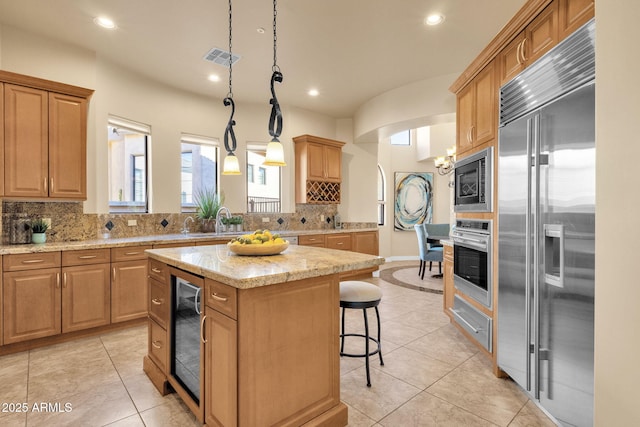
(132, 421)
(428, 410)
(12, 419)
(142, 391)
(473, 387)
(446, 344)
(414, 368)
(384, 396)
(427, 320)
(399, 333)
(358, 419)
(84, 352)
(14, 369)
(531, 416)
(104, 404)
(171, 413)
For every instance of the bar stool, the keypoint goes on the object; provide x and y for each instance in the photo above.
(361, 295)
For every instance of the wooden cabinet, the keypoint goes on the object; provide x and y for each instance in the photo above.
(338, 241)
(572, 14)
(365, 242)
(318, 170)
(45, 132)
(31, 296)
(449, 289)
(86, 289)
(477, 106)
(317, 240)
(128, 283)
(533, 42)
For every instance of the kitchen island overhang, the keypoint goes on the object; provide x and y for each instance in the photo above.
(270, 334)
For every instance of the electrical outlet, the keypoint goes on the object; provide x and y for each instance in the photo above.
(47, 221)
(321, 218)
(265, 219)
(132, 223)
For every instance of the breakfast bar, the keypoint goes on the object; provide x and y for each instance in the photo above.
(267, 333)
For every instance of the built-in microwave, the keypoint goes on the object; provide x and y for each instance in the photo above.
(473, 182)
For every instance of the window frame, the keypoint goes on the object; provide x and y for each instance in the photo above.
(191, 139)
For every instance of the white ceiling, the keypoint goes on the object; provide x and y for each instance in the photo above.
(350, 50)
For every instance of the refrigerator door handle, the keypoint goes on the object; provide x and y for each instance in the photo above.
(527, 255)
(535, 183)
(554, 255)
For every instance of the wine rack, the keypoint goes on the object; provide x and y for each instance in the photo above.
(323, 192)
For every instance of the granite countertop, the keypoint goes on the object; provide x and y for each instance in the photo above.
(149, 240)
(245, 272)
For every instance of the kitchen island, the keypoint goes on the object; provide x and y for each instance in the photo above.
(268, 329)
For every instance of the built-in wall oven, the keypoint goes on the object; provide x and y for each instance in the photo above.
(473, 182)
(472, 248)
(187, 343)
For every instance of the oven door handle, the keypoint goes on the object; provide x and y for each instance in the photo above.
(471, 243)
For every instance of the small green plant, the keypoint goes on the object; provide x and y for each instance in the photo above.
(39, 225)
(236, 220)
(208, 203)
(225, 221)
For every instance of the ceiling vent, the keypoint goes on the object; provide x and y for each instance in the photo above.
(220, 57)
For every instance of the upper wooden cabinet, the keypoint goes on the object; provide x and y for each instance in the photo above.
(477, 110)
(318, 169)
(45, 138)
(572, 14)
(533, 42)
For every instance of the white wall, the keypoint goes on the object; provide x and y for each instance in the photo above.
(617, 313)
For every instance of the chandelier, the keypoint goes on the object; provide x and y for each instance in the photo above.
(275, 151)
(231, 165)
(446, 164)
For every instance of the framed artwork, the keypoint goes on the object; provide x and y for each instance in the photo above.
(413, 192)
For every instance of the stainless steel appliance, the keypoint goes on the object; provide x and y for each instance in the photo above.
(546, 233)
(473, 182)
(472, 259)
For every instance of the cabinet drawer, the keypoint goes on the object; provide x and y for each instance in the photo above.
(338, 241)
(158, 345)
(16, 262)
(129, 253)
(222, 298)
(158, 271)
(158, 302)
(87, 256)
(476, 323)
(311, 240)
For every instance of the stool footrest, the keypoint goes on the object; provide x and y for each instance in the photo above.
(376, 351)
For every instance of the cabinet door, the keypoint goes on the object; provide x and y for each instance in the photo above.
(541, 33)
(365, 242)
(221, 368)
(449, 289)
(340, 241)
(128, 290)
(26, 141)
(333, 164)
(31, 304)
(466, 102)
(572, 14)
(510, 60)
(315, 162)
(67, 146)
(486, 106)
(159, 302)
(86, 297)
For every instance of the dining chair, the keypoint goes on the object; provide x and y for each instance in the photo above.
(427, 252)
(439, 230)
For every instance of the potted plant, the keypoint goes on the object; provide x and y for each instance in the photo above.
(226, 224)
(208, 203)
(39, 228)
(237, 221)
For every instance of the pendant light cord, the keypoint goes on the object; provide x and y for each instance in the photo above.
(228, 101)
(275, 119)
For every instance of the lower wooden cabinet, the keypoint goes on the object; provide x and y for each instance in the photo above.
(31, 304)
(86, 297)
(449, 288)
(340, 241)
(128, 290)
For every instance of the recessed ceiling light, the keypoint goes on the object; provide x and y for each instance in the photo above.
(434, 19)
(260, 30)
(214, 78)
(313, 92)
(104, 22)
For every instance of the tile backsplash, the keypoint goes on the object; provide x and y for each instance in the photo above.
(69, 223)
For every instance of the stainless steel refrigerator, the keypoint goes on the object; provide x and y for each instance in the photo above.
(546, 229)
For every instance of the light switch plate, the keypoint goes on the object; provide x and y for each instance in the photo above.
(132, 223)
(265, 219)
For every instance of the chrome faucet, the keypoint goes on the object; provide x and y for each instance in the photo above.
(185, 227)
(218, 222)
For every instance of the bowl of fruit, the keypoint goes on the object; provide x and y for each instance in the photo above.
(260, 242)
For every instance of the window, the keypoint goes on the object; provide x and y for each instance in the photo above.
(401, 138)
(381, 196)
(128, 165)
(263, 190)
(199, 167)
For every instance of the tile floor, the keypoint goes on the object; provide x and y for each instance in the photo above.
(431, 376)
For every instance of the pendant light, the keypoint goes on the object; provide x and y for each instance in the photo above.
(231, 165)
(275, 151)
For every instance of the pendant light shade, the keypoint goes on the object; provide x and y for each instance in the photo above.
(231, 165)
(275, 154)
